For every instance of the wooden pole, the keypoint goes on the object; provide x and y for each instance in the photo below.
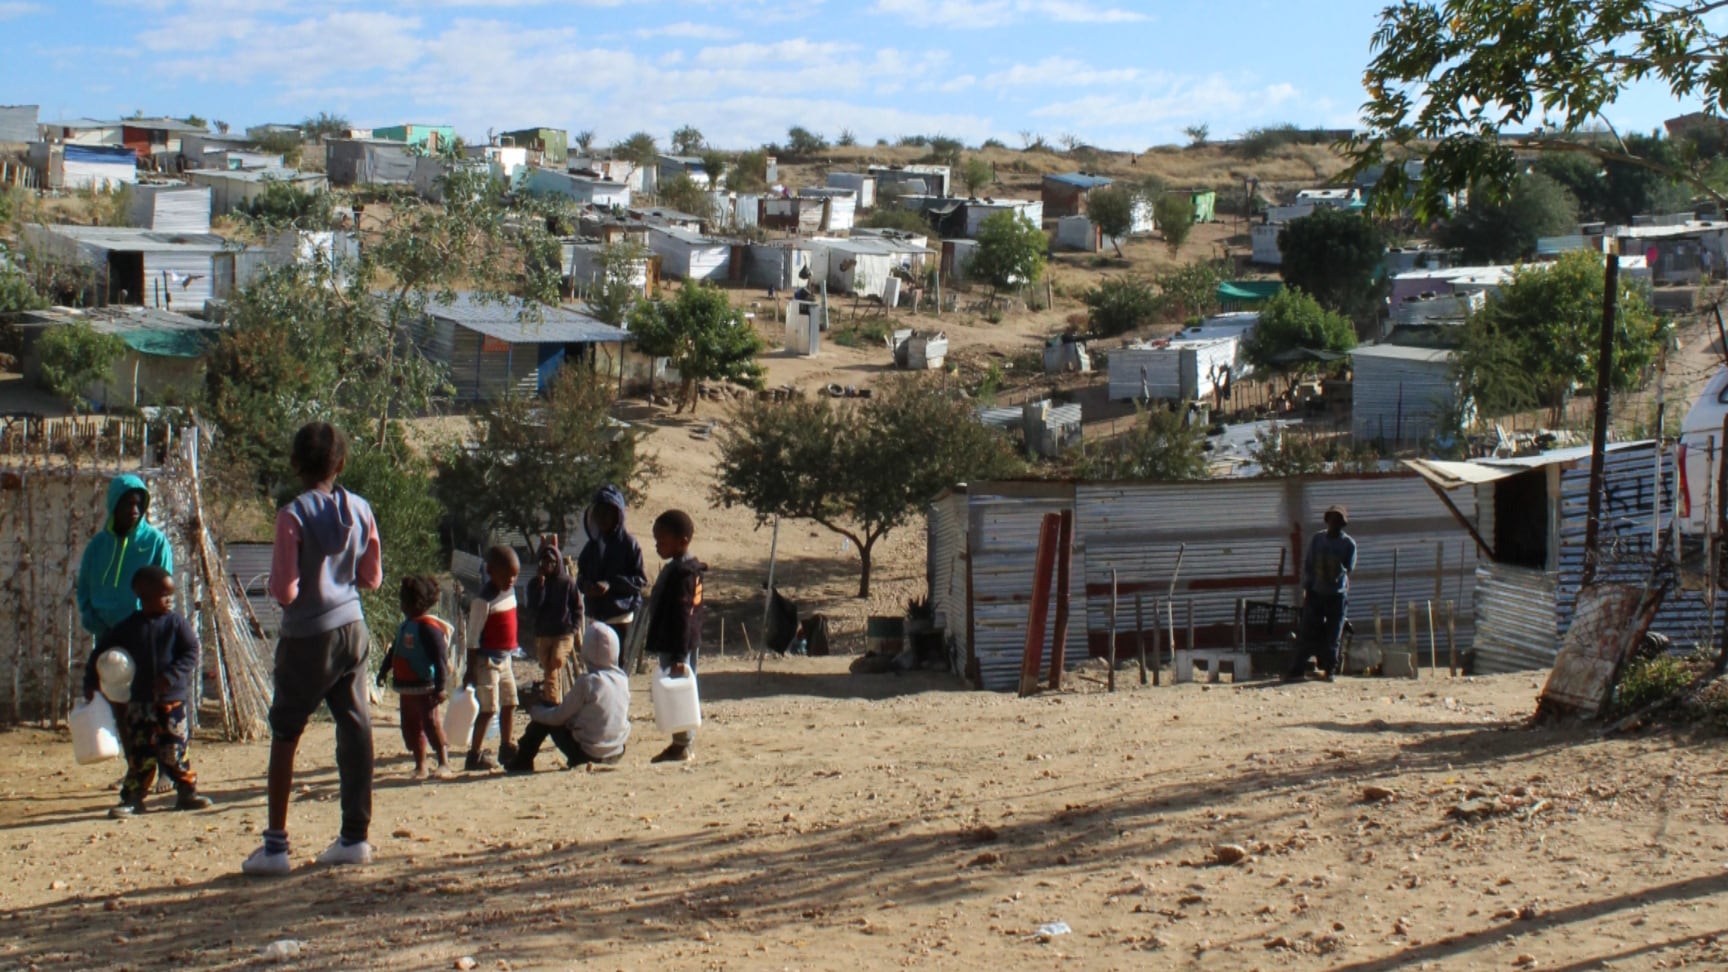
(1604, 396)
(1170, 600)
(1191, 645)
(1157, 643)
(1452, 638)
(1379, 630)
(768, 598)
(1064, 572)
(1433, 641)
(1032, 651)
(1140, 633)
(1394, 632)
(1439, 570)
(1415, 651)
(1112, 647)
(1278, 591)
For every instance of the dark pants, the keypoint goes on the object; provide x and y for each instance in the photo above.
(1322, 626)
(538, 732)
(329, 669)
(421, 726)
(156, 737)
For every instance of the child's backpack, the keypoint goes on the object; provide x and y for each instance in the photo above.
(411, 655)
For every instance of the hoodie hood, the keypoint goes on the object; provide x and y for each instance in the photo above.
(339, 527)
(600, 647)
(118, 487)
(611, 496)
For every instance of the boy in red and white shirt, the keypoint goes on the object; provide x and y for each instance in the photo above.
(491, 641)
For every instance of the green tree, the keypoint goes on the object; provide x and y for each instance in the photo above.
(1011, 252)
(616, 291)
(531, 465)
(1534, 343)
(397, 482)
(73, 357)
(1174, 213)
(686, 196)
(977, 174)
(639, 149)
(688, 140)
(846, 138)
(858, 470)
(749, 172)
(325, 125)
(1191, 290)
(704, 336)
(1449, 77)
(1293, 321)
(196, 121)
(1111, 208)
(715, 164)
(944, 150)
(583, 141)
(1197, 134)
(1119, 305)
(290, 145)
(1162, 446)
(283, 205)
(1501, 231)
(17, 294)
(802, 143)
(897, 219)
(1335, 256)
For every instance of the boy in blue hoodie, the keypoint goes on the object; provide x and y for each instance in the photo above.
(327, 551)
(609, 571)
(126, 543)
(155, 727)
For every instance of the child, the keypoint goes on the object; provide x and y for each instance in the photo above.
(556, 616)
(491, 642)
(593, 723)
(417, 660)
(113, 556)
(609, 568)
(156, 728)
(327, 551)
(675, 612)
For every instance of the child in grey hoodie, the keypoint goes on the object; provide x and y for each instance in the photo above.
(592, 723)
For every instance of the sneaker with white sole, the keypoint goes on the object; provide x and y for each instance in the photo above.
(340, 853)
(265, 864)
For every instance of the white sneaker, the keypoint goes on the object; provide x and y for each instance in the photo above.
(262, 863)
(337, 853)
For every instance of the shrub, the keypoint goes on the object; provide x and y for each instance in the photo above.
(1121, 304)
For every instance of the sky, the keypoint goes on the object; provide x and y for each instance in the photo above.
(1113, 73)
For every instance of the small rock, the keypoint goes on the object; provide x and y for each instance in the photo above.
(1525, 960)
(282, 950)
(1279, 942)
(402, 833)
(56, 885)
(1376, 794)
(466, 963)
(1229, 854)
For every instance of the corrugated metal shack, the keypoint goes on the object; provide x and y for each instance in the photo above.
(1529, 512)
(1181, 368)
(690, 255)
(230, 191)
(165, 351)
(137, 266)
(496, 348)
(1401, 394)
(367, 162)
(983, 537)
(170, 208)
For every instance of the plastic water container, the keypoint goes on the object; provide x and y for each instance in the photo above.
(94, 736)
(459, 718)
(677, 708)
(114, 672)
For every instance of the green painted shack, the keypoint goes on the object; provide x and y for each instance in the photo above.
(553, 144)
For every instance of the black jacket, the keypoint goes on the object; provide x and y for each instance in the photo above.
(675, 612)
(552, 606)
(164, 646)
(614, 559)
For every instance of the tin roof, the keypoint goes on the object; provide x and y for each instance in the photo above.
(1080, 180)
(132, 239)
(1404, 353)
(506, 321)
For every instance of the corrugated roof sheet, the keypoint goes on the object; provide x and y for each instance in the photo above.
(505, 321)
(1428, 355)
(129, 238)
(1080, 180)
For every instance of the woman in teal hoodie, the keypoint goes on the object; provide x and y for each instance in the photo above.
(126, 543)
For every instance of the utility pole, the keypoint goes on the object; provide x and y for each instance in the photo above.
(1604, 392)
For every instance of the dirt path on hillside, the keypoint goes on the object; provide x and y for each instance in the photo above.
(843, 822)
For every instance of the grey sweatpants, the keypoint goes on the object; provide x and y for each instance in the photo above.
(330, 669)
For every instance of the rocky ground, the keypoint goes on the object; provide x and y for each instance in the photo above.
(835, 821)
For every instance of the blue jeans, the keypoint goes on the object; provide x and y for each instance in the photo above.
(1322, 626)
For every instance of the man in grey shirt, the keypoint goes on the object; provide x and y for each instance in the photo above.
(1326, 586)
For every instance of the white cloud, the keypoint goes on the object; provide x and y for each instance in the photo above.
(1059, 72)
(1214, 99)
(13, 9)
(1000, 13)
(689, 30)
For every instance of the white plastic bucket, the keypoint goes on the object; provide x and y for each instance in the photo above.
(677, 706)
(114, 671)
(95, 738)
(459, 718)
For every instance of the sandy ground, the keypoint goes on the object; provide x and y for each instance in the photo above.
(835, 821)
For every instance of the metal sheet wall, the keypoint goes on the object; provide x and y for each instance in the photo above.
(1515, 623)
(945, 569)
(191, 282)
(1631, 495)
(1399, 400)
(1003, 541)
